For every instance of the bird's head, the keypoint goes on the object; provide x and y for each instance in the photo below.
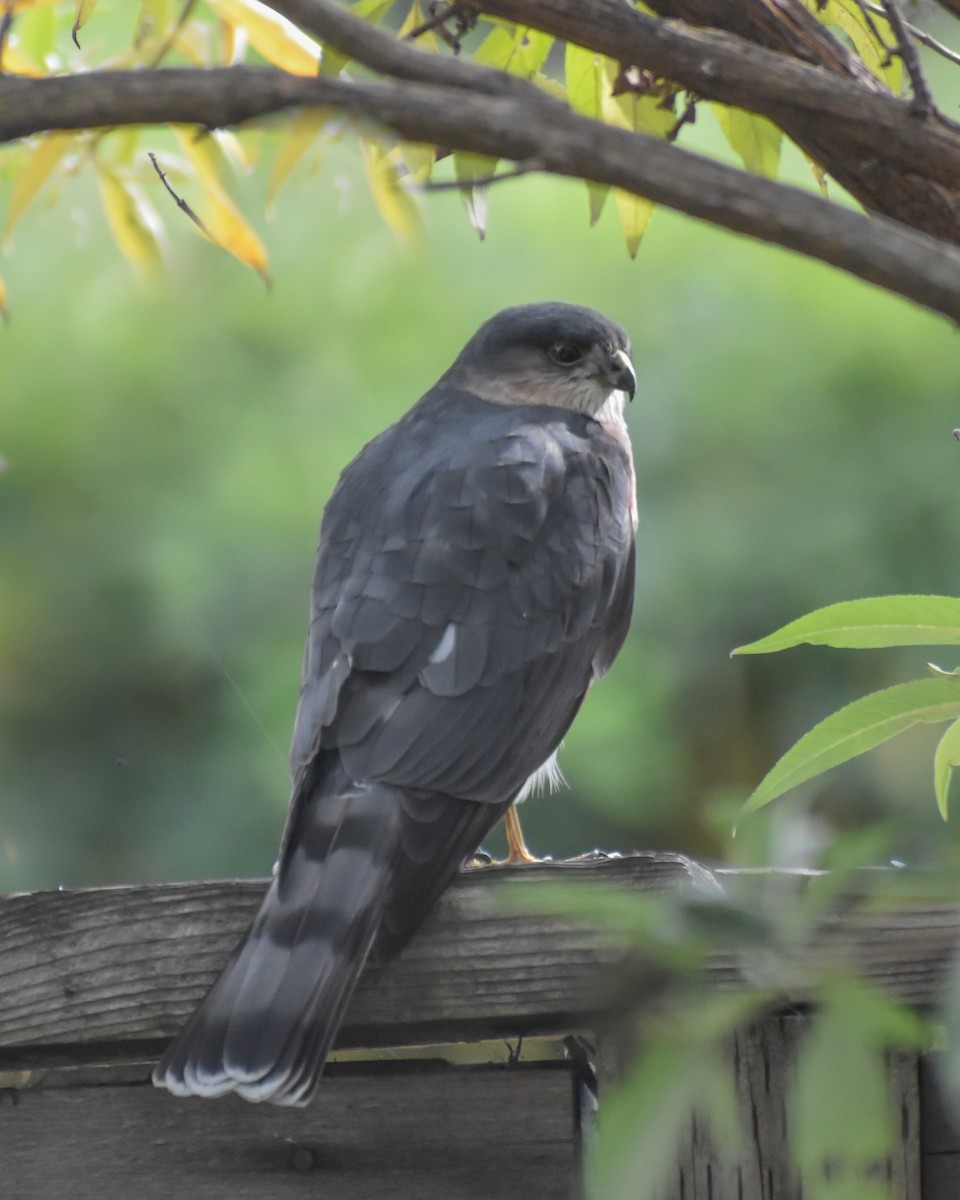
(560, 355)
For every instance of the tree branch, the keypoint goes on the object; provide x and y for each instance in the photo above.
(868, 140)
(334, 25)
(527, 125)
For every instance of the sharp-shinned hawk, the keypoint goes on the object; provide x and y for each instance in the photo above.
(475, 576)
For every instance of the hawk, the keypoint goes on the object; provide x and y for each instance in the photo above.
(475, 576)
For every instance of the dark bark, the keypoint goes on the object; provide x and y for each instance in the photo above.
(773, 59)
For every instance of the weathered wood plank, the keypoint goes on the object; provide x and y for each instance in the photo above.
(405, 1134)
(761, 1063)
(939, 1136)
(129, 964)
(100, 965)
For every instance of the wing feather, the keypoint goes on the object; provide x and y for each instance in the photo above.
(469, 565)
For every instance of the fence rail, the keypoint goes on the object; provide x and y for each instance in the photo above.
(93, 981)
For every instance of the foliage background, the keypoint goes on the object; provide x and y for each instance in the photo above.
(168, 453)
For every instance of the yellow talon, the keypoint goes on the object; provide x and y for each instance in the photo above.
(518, 851)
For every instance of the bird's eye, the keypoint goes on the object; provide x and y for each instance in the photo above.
(566, 353)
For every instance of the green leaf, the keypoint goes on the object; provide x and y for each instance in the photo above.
(585, 80)
(397, 206)
(634, 213)
(849, 16)
(946, 758)
(683, 1072)
(518, 49)
(843, 1121)
(858, 727)
(531, 53)
(876, 621)
(584, 76)
(755, 139)
(640, 114)
(36, 31)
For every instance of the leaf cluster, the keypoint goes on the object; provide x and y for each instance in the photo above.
(875, 718)
(48, 41)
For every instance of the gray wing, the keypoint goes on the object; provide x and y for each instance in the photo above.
(475, 574)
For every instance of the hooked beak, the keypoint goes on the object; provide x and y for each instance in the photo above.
(622, 375)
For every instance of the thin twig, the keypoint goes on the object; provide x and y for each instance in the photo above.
(918, 35)
(464, 17)
(452, 185)
(869, 12)
(687, 117)
(923, 101)
(180, 202)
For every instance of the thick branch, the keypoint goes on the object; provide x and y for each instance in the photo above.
(332, 24)
(521, 127)
(715, 65)
(869, 141)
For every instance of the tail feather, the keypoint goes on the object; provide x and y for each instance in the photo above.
(267, 1024)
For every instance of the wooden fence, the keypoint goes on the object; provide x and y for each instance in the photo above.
(93, 981)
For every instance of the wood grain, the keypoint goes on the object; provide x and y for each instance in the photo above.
(128, 964)
(457, 1133)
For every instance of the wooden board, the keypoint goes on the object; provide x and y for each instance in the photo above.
(127, 965)
(940, 1136)
(403, 1134)
(111, 964)
(761, 1063)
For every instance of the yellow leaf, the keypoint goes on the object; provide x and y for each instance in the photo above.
(551, 86)
(642, 114)
(273, 36)
(514, 48)
(134, 223)
(83, 10)
(597, 194)
(193, 42)
(755, 139)
(40, 165)
(34, 32)
(820, 175)
(14, 62)
(302, 133)
(372, 11)
(418, 159)
(848, 16)
(213, 154)
(4, 311)
(413, 20)
(123, 144)
(154, 23)
(396, 205)
(233, 43)
(224, 222)
(584, 76)
(634, 213)
(234, 151)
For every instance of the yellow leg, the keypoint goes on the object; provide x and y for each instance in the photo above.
(518, 852)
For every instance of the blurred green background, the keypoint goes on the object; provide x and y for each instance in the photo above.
(167, 456)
